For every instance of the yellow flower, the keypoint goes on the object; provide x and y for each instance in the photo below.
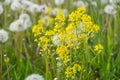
(7, 59)
(86, 18)
(62, 50)
(60, 11)
(70, 27)
(37, 30)
(60, 18)
(96, 28)
(43, 42)
(51, 21)
(50, 32)
(41, 22)
(83, 36)
(98, 48)
(76, 15)
(72, 70)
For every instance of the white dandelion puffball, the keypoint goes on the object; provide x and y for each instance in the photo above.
(80, 4)
(65, 12)
(110, 9)
(26, 4)
(7, 2)
(114, 1)
(59, 2)
(94, 3)
(16, 5)
(23, 23)
(36, 8)
(3, 36)
(104, 1)
(56, 10)
(1, 8)
(55, 78)
(24, 17)
(46, 19)
(34, 77)
(56, 40)
(17, 26)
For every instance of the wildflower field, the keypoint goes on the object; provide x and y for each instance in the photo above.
(59, 39)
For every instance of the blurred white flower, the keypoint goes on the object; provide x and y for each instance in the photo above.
(36, 8)
(55, 12)
(17, 26)
(114, 1)
(110, 9)
(94, 3)
(46, 19)
(34, 77)
(55, 78)
(21, 24)
(26, 4)
(104, 1)
(16, 5)
(1, 8)
(24, 17)
(56, 40)
(59, 2)
(8, 2)
(3, 36)
(80, 4)
(65, 12)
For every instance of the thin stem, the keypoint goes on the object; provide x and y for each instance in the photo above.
(8, 72)
(0, 62)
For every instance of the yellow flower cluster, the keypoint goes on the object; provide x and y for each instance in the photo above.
(79, 16)
(71, 71)
(76, 15)
(98, 48)
(71, 31)
(62, 51)
(42, 36)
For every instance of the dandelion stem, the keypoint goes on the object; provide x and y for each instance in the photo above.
(0, 62)
(8, 73)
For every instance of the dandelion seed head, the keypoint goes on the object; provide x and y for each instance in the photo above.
(114, 1)
(7, 2)
(34, 77)
(24, 17)
(3, 36)
(59, 2)
(36, 8)
(1, 8)
(55, 78)
(21, 24)
(94, 3)
(56, 40)
(104, 1)
(80, 4)
(16, 5)
(110, 9)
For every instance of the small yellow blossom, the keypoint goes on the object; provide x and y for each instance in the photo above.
(60, 18)
(50, 32)
(98, 48)
(62, 50)
(37, 30)
(7, 59)
(72, 70)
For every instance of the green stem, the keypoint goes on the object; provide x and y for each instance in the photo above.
(47, 78)
(8, 72)
(0, 62)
